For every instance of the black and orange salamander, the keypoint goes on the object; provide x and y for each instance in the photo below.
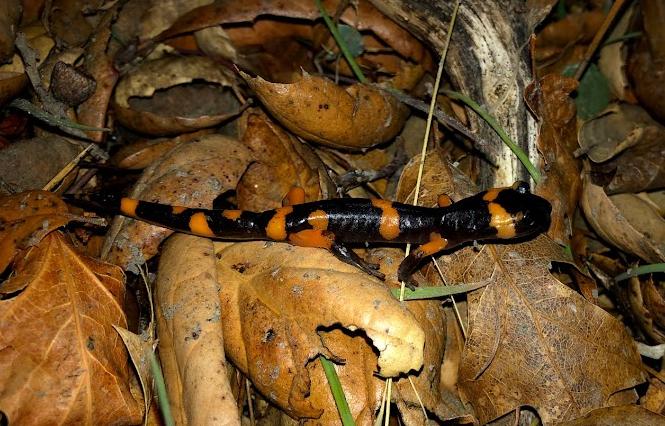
(496, 214)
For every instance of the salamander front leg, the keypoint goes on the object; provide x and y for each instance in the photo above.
(347, 255)
(411, 262)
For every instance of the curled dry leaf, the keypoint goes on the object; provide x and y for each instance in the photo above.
(191, 342)
(316, 109)
(62, 361)
(549, 98)
(99, 65)
(25, 219)
(274, 299)
(533, 341)
(10, 16)
(612, 58)
(282, 162)
(174, 95)
(190, 175)
(615, 130)
(32, 163)
(625, 221)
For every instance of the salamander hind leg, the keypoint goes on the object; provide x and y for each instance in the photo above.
(347, 255)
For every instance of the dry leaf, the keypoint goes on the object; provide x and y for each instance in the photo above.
(190, 175)
(11, 84)
(612, 57)
(25, 219)
(550, 100)
(645, 64)
(99, 54)
(62, 361)
(618, 128)
(316, 109)
(174, 95)
(32, 163)
(191, 342)
(632, 234)
(142, 153)
(141, 347)
(10, 15)
(533, 341)
(274, 299)
(282, 162)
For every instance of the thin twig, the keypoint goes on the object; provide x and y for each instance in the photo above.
(598, 38)
(65, 170)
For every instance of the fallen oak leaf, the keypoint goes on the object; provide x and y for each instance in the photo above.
(316, 109)
(533, 341)
(25, 219)
(61, 360)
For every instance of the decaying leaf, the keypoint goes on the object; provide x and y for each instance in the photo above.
(11, 84)
(533, 341)
(316, 109)
(617, 129)
(32, 163)
(612, 57)
(211, 165)
(25, 219)
(191, 342)
(174, 95)
(274, 299)
(550, 100)
(61, 360)
(282, 162)
(10, 16)
(645, 64)
(637, 231)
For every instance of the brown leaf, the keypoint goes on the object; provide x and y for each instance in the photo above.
(62, 361)
(632, 225)
(32, 163)
(316, 109)
(274, 299)
(533, 341)
(174, 95)
(550, 100)
(282, 162)
(11, 84)
(191, 342)
(10, 16)
(190, 175)
(25, 219)
(645, 65)
(618, 128)
(99, 53)
(622, 415)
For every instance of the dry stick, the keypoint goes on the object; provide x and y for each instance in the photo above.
(65, 170)
(598, 38)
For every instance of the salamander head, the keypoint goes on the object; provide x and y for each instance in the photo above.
(499, 213)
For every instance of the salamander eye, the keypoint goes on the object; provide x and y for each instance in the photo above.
(521, 187)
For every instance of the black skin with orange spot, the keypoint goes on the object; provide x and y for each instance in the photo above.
(353, 220)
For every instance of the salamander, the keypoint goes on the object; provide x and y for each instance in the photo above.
(508, 213)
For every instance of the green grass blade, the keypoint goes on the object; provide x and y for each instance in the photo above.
(337, 392)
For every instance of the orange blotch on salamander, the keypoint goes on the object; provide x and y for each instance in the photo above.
(276, 228)
(231, 214)
(444, 200)
(312, 238)
(178, 209)
(501, 220)
(389, 224)
(128, 206)
(318, 219)
(198, 224)
(435, 244)
(296, 195)
(492, 194)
